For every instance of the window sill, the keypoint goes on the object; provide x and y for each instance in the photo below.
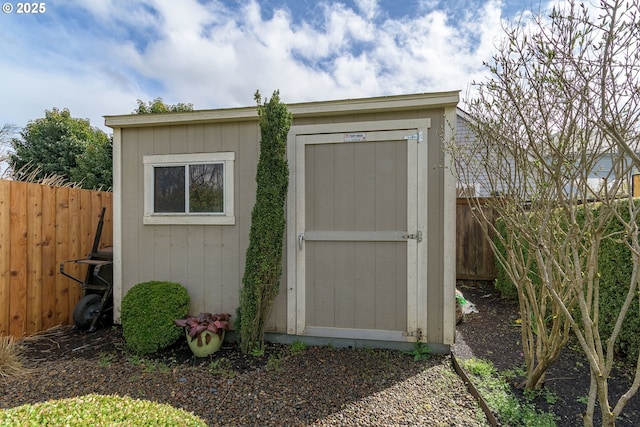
(188, 220)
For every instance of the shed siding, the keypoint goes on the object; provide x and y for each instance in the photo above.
(209, 260)
(435, 232)
(349, 283)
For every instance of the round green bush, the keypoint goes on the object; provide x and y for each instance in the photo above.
(98, 410)
(148, 312)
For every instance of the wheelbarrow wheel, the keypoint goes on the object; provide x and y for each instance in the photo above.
(86, 310)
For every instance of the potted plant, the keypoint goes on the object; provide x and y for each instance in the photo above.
(205, 332)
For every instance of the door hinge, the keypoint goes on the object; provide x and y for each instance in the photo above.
(418, 136)
(415, 236)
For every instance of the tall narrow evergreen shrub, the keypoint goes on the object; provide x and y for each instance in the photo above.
(263, 266)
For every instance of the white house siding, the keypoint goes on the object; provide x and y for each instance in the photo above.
(473, 179)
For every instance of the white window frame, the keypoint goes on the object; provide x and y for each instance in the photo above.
(218, 218)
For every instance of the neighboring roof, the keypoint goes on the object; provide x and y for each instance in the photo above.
(322, 108)
(463, 114)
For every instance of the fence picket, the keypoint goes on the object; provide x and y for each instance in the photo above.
(49, 265)
(74, 247)
(34, 257)
(5, 257)
(18, 260)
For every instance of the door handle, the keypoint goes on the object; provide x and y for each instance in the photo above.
(300, 240)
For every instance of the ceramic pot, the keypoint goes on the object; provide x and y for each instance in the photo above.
(205, 349)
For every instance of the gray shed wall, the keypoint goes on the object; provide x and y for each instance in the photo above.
(209, 259)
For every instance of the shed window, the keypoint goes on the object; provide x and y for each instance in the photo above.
(189, 188)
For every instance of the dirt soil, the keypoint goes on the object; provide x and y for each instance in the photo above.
(323, 386)
(494, 335)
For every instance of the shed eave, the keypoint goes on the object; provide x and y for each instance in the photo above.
(306, 109)
(199, 116)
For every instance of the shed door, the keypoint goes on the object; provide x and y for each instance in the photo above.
(359, 233)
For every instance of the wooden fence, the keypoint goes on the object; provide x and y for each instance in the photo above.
(41, 226)
(474, 256)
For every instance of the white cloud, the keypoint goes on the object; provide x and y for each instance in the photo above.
(215, 63)
(216, 54)
(116, 13)
(369, 8)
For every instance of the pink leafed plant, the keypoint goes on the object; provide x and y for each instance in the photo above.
(195, 325)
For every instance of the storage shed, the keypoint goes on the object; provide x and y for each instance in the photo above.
(370, 241)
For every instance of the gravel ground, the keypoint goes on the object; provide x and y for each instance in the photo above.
(316, 386)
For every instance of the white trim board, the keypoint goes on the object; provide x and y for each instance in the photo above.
(117, 224)
(299, 110)
(358, 334)
(227, 217)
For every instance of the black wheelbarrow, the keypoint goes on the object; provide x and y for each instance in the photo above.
(97, 286)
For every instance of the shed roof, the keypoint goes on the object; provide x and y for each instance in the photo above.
(321, 108)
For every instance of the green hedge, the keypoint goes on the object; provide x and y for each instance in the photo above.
(148, 312)
(503, 283)
(615, 267)
(98, 410)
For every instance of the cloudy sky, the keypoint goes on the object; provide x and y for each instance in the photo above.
(97, 57)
